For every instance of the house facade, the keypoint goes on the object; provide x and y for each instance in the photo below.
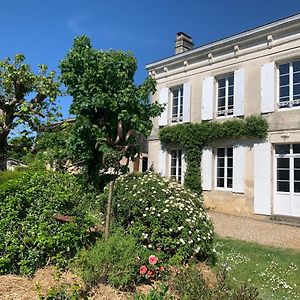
(256, 72)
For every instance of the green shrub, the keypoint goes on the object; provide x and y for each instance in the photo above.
(115, 261)
(63, 292)
(162, 215)
(190, 284)
(6, 176)
(30, 236)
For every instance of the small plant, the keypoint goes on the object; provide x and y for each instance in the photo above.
(190, 284)
(115, 261)
(163, 216)
(63, 292)
(245, 292)
(224, 291)
(160, 293)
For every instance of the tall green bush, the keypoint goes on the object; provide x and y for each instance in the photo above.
(30, 235)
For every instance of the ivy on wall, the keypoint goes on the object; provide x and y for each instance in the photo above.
(193, 136)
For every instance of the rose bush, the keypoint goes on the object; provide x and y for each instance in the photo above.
(163, 215)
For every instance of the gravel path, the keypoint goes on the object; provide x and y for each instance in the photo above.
(259, 231)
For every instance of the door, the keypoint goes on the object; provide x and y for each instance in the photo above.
(287, 180)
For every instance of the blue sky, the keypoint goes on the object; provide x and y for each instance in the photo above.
(44, 30)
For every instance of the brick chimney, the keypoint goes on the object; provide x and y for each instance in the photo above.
(183, 43)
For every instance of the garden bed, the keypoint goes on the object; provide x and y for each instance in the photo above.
(23, 288)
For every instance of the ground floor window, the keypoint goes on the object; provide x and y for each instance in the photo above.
(288, 168)
(176, 165)
(224, 167)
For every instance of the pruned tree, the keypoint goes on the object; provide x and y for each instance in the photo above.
(104, 94)
(26, 99)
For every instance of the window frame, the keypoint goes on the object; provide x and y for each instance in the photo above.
(178, 165)
(291, 100)
(180, 105)
(225, 188)
(227, 95)
(291, 156)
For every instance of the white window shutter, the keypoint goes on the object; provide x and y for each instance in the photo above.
(206, 168)
(183, 166)
(238, 169)
(239, 92)
(262, 178)
(164, 99)
(162, 162)
(207, 98)
(187, 102)
(267, 84)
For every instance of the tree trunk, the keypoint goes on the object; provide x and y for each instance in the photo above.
(3, 157)
(108, 211)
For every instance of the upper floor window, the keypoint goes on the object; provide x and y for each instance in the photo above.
(176, 165)
(177, 104)
(224, 167)
(289, 84)
(225, 96)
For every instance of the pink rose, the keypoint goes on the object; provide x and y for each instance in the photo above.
(153, 259)
(150, 273)
(143, 270)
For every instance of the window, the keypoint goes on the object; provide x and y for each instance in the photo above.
(176, 165)
(289, 85)
(288, 167)
(225, 96)
(224, 167)
(177, 104)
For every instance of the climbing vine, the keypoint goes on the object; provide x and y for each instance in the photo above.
(193, 136)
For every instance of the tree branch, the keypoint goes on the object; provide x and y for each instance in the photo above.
(39, 98)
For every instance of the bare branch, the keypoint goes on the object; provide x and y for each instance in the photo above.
(55, 126)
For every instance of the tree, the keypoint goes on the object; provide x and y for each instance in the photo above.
(26, 99)
(104, 93)
(20, 147)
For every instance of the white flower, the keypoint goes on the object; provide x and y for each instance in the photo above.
(182, 241)
(165, 210)
(145, 235)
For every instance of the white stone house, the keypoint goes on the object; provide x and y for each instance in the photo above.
(256, 72)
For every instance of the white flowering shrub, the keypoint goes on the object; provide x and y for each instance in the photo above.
(163, 215)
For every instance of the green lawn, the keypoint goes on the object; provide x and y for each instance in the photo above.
(274, 271)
